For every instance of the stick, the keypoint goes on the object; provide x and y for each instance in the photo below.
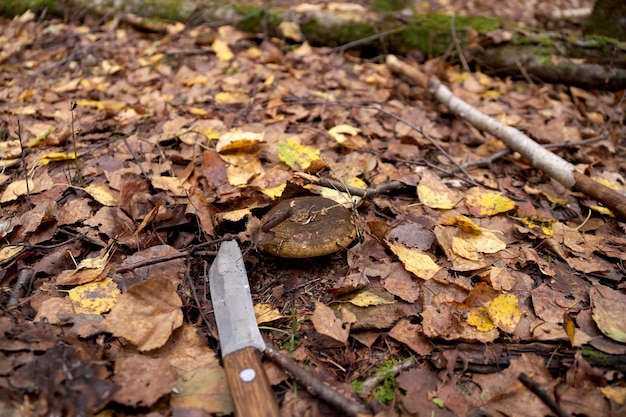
(543, 394)
(368, 192)
(541, 158)
(314, 386)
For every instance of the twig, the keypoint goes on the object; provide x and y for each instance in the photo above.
(373, 381)
(171, 257)
(314, 386)
(457, 45)
(19, 288)
(195, 294)
(79, 176)
(370, 192)
(377, 107)
(363, 41)
(18, 132)
(543, 394)
(132, 153)
(540, 158)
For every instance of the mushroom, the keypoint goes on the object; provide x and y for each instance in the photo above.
(303, 227)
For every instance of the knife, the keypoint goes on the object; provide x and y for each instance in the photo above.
(240, 339)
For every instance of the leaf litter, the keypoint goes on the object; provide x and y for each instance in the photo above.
(469, 285)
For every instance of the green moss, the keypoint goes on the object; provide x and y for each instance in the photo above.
(431, 33)
(17, 7)
(357, 386)
(389, 6)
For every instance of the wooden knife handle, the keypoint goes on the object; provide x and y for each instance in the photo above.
(251, 391)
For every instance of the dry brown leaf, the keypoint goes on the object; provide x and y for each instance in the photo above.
(328, 324)
(147, 314)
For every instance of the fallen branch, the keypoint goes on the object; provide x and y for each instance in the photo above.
(541, 158)
(543, 394)
(314, 386)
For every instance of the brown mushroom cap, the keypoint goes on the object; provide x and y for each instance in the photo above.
(305, 227)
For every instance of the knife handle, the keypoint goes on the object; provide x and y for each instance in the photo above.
(251, 391)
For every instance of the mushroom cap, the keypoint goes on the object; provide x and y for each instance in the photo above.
(305, 227)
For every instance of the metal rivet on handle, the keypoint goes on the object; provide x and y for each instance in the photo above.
(247, 375)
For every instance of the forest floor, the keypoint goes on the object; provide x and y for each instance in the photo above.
(127, 155)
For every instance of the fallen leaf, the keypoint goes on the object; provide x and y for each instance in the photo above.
(504, 312)
(265, 313)
(147, 314)
(481, 202)
(367, 298)
(95, 297)
(297, 156)
(142, 380)
(435, 194)
(102, 194)
(415, 261)
(609, 309)
(328, 324)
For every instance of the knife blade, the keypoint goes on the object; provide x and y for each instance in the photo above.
(240, 339)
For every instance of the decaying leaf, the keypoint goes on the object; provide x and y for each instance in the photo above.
(95, 297)
(147, 314)
(328, 324)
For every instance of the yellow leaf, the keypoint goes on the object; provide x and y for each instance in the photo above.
(339, 132)
(195, 80)
(465, 249)
(237, 140)
(16, 189)
(481, 202)
(95, 297)
(242, 168)
(617, 394)
(325, 96)
(487, 242)
(435, 194)
(536, 223)
(9, 251)
(290, 30)
(274, 192)
(344, 198)
(102, 194)
(56, 156)
(479, 318)
(297, 156)
(463, 222)
(415, 261)
(234, 97)
(198, 111)
(40, 138)
(222, 50)
(265, 313)
(367, 298)
(569, 327)
(504, 312)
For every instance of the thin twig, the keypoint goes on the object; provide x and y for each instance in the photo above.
(174, 256)
(457, 44)
(132, 153)
(24, 276)
(23, 158)
(314, 386)
(543, 394)
(195, 295)
(363, 41)
(370, 192)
